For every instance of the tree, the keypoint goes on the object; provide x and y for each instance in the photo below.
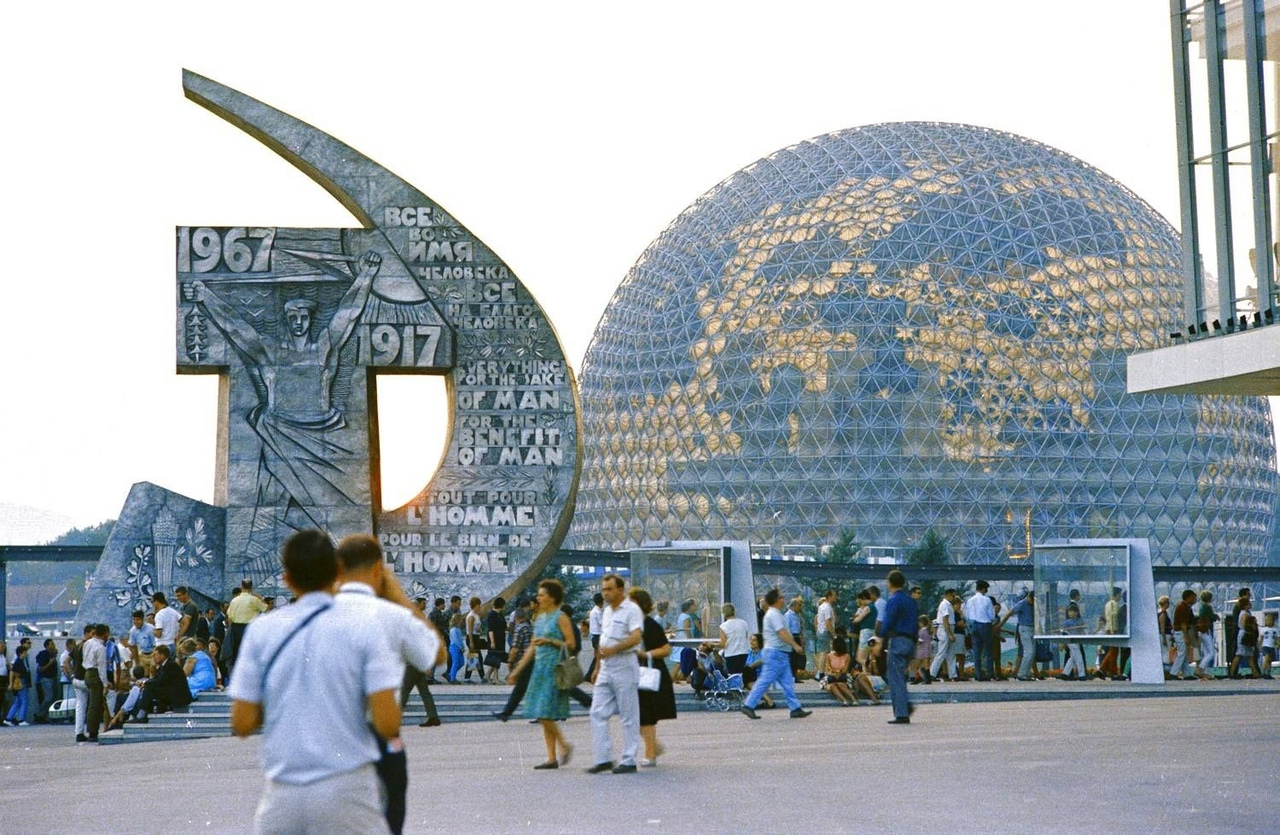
(931, 550)
(844, 551)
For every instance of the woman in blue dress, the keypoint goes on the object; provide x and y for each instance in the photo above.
(544, 701)
(198, 667)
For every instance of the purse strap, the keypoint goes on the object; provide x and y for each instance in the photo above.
(266, 670)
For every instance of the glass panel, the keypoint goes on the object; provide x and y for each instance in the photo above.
(1198, 79)
(687, 587)
(1082, 591)
(1242, 237)
(1206, 226)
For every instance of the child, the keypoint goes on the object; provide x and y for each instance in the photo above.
(924, 653)
(457, 647)
(1267, 638)
(1247, 645)
(1073, 624)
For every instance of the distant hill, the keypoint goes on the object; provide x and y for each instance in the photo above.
(22, 525)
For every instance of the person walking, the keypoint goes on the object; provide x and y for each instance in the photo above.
(946, 634)
(656, 705)
(776, 669)
(368, 590)
(322, 685)
(547, 703)
(898, 631)
(617, 678)
(1024, 611)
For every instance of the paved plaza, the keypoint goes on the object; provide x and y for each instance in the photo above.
(1155, 764)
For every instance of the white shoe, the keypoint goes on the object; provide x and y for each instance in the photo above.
(649, 763)
(23, 724)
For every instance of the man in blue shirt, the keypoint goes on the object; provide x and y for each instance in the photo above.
(1025, 611)
(898, 630)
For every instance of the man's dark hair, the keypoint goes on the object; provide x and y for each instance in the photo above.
(917, 590)
(101, 630)
(597, 599)
(89, 627)
(896, 579)
(945, 592)
(982, 586)
(163, 649)
(615, 579)
(1188, 594)
(139, 672)
(874, 591)
(246, 584)
(236, 592)
(457, 598)
(310, 560)
(159, 597)
(139, 614)
(498, 603)
(180, 590)
(772, 596)
(358, 551)
(439, 601)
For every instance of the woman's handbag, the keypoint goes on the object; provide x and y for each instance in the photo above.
(568, 671)
(650, 677)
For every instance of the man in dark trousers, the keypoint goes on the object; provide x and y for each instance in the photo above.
(898, 630)
(166, 690)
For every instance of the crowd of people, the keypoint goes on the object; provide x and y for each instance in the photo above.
(162, 662)
(328, 692)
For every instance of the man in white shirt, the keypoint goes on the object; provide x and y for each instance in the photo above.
(776, 669)
(593, 630)
(979, 614)
(735, 640)
(617, 678)
(823, 629)
(306, 675)
(95, 678)
(369, 590)
(946, 634)
(167, 623)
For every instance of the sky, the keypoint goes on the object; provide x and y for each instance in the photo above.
(566, 136)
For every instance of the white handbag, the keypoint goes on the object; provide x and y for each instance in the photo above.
(650, 677)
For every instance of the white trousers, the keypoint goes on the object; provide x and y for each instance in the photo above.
(943, 653)
(617, 691)
(1075, 661)
(82, 706)
(347, 802)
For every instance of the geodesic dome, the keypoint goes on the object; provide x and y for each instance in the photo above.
(910, 326)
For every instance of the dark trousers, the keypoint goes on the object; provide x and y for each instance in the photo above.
(901, 651)
(413, 677)
(980, 633)
(97, 702)
(517, 692)
(393, 771)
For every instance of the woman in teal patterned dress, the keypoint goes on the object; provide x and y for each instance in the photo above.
(543, 700)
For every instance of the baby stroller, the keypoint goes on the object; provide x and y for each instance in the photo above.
(724, 692)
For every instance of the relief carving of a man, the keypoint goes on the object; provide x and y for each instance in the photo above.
(300, 469)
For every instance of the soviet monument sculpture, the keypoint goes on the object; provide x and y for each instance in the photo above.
(296, 323)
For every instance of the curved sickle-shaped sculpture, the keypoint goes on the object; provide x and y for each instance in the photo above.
(290, 316)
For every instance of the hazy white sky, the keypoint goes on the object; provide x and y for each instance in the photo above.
(566, 136)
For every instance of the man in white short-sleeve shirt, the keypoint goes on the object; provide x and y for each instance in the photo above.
(824, 630)
(369, 591)
(314, 698)
(167, 622)
(617, 678)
